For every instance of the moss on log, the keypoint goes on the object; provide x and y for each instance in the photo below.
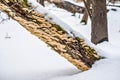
(73, 49)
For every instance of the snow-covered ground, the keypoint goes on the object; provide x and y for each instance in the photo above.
(25, 57)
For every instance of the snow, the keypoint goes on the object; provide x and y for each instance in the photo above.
(72, 24)
(25, 57)
(102, 70)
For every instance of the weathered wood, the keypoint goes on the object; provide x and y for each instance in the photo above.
(73, 49)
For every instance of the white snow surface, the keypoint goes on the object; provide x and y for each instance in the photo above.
(25, 57)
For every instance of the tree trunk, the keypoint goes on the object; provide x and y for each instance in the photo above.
(73, 49)
(99, 22)
(41, 2)
(85, 16)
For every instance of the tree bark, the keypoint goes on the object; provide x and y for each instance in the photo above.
(99, 22)
(85, 16)
(73, 49)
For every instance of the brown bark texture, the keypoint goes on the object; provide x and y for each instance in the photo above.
(73, 49)
(99, 22)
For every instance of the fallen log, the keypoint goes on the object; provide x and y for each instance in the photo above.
(69, 7)
(73, 49)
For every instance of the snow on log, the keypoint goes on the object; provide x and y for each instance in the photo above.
(73, 49)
